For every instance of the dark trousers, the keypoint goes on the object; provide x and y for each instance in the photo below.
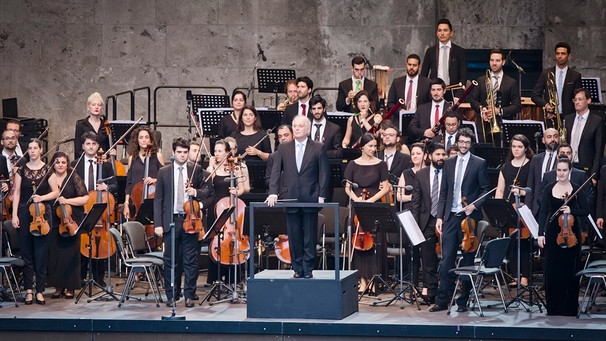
(430, 258)
(186, 260)
(302, 229)
(34, 251)
(452, 235)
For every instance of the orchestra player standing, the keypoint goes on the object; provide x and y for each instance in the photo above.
(300, 108)
(351, 86)
(428, 114)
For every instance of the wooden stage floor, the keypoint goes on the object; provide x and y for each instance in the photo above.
(103, 320)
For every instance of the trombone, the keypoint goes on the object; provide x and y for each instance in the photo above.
(490, 103)
(554, 102)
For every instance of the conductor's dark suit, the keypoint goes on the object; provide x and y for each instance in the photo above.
(186, 244)
(421, 121)
(347, 85)
(457, 64)
(591, 145)
(572, 81)
(474, 184)
(306, 185)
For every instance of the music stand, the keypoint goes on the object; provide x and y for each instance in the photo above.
(270, 119)
(274, 80)
(494, 156)
(212, 117)
(405, 117)
(500, 213)
(376, 216)
(86, 226)
(527, 128)
(217, 230)
(120, 127)
(271, 222)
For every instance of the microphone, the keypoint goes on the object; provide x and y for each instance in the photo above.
(172, 159)
(528, 190)
(261, 52)
(105, 179)
(369, 65)
(351, 183)
(188, 95)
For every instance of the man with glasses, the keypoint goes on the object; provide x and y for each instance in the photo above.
(15, 127)
(396, 161)
(464, 176)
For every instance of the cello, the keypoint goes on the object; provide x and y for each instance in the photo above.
(361, 240)
(142, 191)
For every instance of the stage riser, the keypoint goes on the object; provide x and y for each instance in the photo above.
(275, 294)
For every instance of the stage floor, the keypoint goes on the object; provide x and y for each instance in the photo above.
(100, 320)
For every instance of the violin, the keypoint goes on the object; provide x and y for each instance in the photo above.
(524, 231)
(67, 227)
(439, 246)
(193, 217)
(142, 191)
(470, 242)
(39, 226)
(362, 240)
(566, 237)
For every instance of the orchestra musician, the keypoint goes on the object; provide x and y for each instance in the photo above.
(464, 176)
(93, 122)
(34, 249)
(10, 141)
(284, 135)
(362, 121)
(505, 94)
(300, 108)
(291, 94)
(396, 161)
(370, 174)
(303, 165)
(324, 131)
(249, 134)
(140, 145)
(229, 123)
(187, 180)
(561, 264)
(351, 86)
(428, 114)
(64, 251)
(13, 125)
(539, 165)
(452, 122)
(87, 170)
(515, 172)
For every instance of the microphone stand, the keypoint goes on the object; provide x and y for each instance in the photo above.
(347, 245)
(520, 72)
(251, 87)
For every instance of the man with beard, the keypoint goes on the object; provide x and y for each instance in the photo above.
(300, 108)
(10, 141)
(539, 165)
(396, 161)
(428, 114)
(284, 135)
(429, 179)
(324, 131)
(412, 88)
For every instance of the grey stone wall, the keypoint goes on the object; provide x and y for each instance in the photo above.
(53, 54)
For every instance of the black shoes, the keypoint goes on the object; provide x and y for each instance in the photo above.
(40, 301)
(189, 303)
(298, 275)
(308, 275)
(303, 275)
(438, 307)
(29, 298)
(461, 309)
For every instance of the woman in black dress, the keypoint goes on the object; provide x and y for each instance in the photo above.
(249, 133)
(34, 249)
(515, 173)
(93, 122)
(229, 123)
(64, 251)
(371, 176)
(561, 263)
(361, 122)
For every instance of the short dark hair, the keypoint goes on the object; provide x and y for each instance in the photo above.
(180, 142)
(358, 60)
(497, 51)
(317, 99)
(282, 126)
(455, 114)
(563, 145)
(584, 91)
(564, 45)
(432, 147)
(387, 124)
(89, 135)
(13, 121)
(306, 80)
(444, 21)
(414, 56)
(465, 132)
(525, 141)
(438, 81)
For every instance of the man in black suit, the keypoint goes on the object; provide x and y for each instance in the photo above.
(445, 60)
(413, 84)
(15, 126)
(322, 130)
(9, 149)
(577, 176)
(585, 132)
(301, 108)
(539, 165)
(88, 171)
(429, 180)
(396, 161)
(428, 114)
(304, 166)
(464, 176)
(564, 79)
(284, 135)
(350, 87)
(168, 208)
(505, 94)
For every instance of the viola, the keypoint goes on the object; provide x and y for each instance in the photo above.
(193, 217)
(39, 226)
(67, 226)
(566, 237)
(362, 240)
(470, 242)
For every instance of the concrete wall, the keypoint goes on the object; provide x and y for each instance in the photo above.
(53, 54)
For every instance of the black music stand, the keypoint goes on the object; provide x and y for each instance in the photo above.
(494, 156)
(271, 119)
(146, 215)
(217, 230)
(527, 128)
(209, 119)
(500, 213)
(382, 217)
(271, 222)
(274, 80)
(86, 226)
(405, 117)
(119, 128)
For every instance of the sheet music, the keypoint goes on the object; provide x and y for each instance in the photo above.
(595, 227)
(201, 110)
(530, 221)
(411, 227)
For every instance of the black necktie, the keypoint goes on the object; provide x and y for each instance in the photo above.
(317, 134)
(548, 165)
(91, 176)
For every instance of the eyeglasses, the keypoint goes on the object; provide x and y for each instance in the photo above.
(575, 100)
(467, 143)
(9, 138)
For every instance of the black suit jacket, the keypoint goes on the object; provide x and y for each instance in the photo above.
(532, 199)
(163, 210)
(475, 184)
(510, 97)
(457, 66)
(400, 163)
(421, 120)
(572, 81)
(332, 139)
(3, 168)
(601, 195)
(306, 185)
(398, 90)
(347, 85)
(290, 113)
(106, 169)
(591, 146)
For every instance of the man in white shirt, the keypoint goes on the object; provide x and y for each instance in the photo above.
(351, 86)
(301, 108)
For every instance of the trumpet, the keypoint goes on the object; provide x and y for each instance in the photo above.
(552, 92)
(457, 86)
(491, 103)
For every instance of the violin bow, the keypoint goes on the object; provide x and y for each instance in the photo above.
(478, 199)
(201, 134)
(122, 137)
(69, 177)
(555, 214)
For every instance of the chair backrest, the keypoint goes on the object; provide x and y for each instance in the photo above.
(321, 225)
(481, 233)
(11, 238)
(119, 243)
(135, 234)
(495, 252)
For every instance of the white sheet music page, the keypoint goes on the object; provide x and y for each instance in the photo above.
(530, 221)
(411, 227)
